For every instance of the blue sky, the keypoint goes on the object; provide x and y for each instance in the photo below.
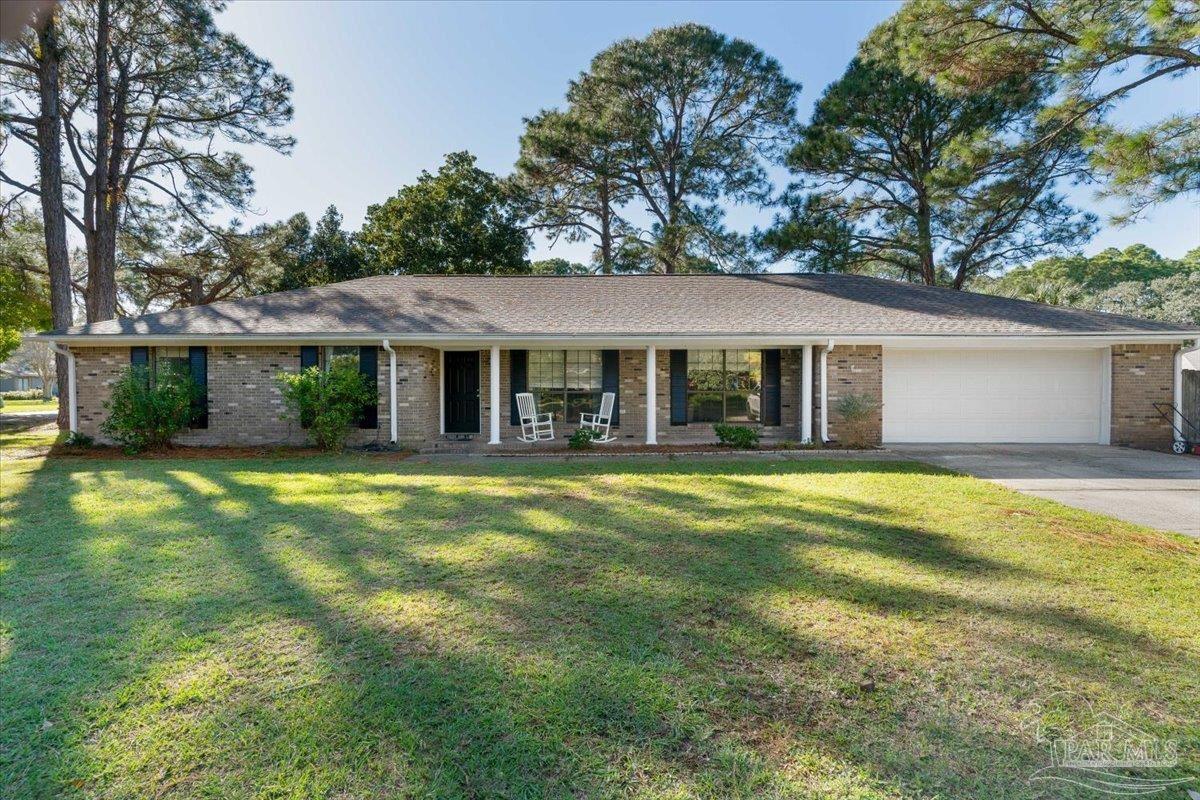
(384, 90)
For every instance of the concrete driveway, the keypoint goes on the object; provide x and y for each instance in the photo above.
(1159, 490)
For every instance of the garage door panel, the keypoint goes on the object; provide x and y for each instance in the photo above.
(991, 395)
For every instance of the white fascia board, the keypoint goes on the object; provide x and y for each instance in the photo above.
(731, 340)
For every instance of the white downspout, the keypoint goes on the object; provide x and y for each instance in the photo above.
(391, 388)
(73, 405)
(651, 394)
(825, 391)
(806, 398)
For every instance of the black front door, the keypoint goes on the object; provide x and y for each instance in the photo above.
(462, 391)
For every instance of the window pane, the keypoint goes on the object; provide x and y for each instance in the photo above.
(549, 401)
(744, 370)
(704, 407)
(582, 403)
(545, 369)
(171, 361)
(741, 407)
(704, 370)
(584, 370)
(341, 354)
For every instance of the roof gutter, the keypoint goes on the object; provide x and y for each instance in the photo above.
(391, 390)
(638, 340)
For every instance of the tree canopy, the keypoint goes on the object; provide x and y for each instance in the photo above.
(569, 174)
(683, 118)
(1068, 280)
(900, 178)
(1097, 53)
(24, 296)
(151, 91)
(461, 220)
(314, 257)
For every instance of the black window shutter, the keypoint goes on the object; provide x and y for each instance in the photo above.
(678, 387)
(610, 379)
(368, 365)
(518, 381)
(140, 357)
(198, 364)
(770, 387)
(309, 357)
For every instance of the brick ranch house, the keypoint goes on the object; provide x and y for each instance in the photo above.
(448, 354)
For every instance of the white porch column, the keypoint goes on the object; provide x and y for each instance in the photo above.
(494, 395)
(806, 396)
(651, 395)
(442, 392)
(825, 390)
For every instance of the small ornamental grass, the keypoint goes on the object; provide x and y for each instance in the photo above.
(856, 411)
(145, 413)
(326, 402)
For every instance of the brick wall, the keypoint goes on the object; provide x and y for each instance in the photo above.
(245, 406)
(1142, 375)
(851, 369)
(417, 395)
(96, 370)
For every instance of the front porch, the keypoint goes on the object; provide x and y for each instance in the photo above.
(784, 392)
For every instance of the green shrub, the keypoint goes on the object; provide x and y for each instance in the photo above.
(21, 394)
(857, 412)
(145, 414)
(737, 436)
(326, 402)
(77, 439)
(584, 439)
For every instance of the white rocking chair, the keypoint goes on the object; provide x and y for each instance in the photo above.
(535, 427)
(601, 423)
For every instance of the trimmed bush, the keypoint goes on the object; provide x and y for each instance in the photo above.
(145, 414)
(326, 402)
(22, 394)
(736, 436)
(856, 411)
(584, 439)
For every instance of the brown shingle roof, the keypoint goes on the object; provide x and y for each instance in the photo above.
(672, 305)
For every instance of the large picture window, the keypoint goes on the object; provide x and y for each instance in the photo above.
(566, 383)
(724, 385)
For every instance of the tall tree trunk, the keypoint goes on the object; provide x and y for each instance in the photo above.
(670, 247)
(606, 255)
(102, 256)
(54, 220)
(925, 242)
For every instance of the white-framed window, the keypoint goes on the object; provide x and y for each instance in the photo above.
(724, 385)
(566, 383)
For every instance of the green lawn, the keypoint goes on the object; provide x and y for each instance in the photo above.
(352, 626)
(19, 406)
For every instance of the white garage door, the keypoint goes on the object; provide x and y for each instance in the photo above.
(991, 395)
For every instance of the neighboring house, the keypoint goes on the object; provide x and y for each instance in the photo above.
(16, 380)
(448, 353)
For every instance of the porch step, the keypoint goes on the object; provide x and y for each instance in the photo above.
(454, 444)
